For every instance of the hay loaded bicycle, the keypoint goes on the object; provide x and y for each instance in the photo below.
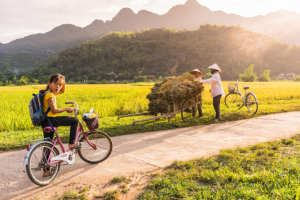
(235, 99)
(44, 155)
(187, 108)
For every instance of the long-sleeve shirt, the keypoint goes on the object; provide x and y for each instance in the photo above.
(216, 85)
(198, 79)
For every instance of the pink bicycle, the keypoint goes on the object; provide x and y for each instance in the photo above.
(45, 156)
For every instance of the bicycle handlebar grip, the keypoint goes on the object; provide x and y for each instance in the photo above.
(69, 102)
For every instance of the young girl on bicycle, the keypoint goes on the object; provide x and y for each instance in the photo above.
(56, 86)
(216, 88)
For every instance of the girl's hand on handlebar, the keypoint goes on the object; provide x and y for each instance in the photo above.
(69, 110)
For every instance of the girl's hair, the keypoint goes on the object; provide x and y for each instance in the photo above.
(54, 78)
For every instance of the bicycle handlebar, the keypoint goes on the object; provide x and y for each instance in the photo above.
(76, 110)
(72, 102)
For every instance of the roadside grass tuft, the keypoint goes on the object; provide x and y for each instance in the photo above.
(267, 170)
(70, 194)
(121, 179)
(111, 195)
(125, 190)
(84, 189)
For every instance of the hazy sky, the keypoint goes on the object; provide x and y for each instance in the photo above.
(19, 18)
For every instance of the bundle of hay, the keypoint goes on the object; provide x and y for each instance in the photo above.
(173, 89)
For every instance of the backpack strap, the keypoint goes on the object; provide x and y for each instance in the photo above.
(48, 110)
(50, 123)
(46, 93)
(46, 113)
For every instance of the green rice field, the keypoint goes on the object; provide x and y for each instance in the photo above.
(111, 101)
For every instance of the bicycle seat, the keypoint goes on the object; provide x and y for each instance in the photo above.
(246, 87)
(48, 129)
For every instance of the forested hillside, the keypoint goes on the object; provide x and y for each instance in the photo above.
(281, 25)
(24, 62)
(163, 52)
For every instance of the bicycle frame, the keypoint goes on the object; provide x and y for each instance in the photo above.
(57, 139)
(246, 94)
(239, 92)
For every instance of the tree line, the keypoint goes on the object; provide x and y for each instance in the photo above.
(166, 52)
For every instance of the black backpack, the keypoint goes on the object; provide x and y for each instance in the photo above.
(36, 109)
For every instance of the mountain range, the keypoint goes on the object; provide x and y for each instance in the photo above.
(281, 25)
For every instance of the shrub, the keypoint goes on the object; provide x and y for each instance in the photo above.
(139, 79)
(104, 81)
(297, 78)
(93, 82)
(159, 79)
(265, 77)
(248, 75)
(207, 75)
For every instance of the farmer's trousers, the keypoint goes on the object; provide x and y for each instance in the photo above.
(216, 103)
(62, 121)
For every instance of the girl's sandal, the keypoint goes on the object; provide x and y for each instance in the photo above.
(79, 145)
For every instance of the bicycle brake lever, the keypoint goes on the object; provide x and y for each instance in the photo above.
(76, 112)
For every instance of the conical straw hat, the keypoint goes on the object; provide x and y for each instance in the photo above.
(197, 70)
(215, 66)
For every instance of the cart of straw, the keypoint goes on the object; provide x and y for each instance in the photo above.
(172, 96)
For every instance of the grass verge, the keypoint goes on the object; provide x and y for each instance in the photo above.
(264, 171)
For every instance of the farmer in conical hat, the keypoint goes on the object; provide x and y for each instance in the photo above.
(216, 88)
(197, 74)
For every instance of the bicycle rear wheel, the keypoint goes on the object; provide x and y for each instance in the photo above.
(37, 164)
(251, 103)
(234, 100)
(102, 150)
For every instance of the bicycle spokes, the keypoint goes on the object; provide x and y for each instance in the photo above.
(234, 100)
(38, 169)
(96, 147)
(251, 103)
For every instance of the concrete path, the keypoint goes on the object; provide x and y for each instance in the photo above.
(145, 152)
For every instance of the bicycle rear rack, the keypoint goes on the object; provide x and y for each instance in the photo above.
(38, 140)
(47, 138)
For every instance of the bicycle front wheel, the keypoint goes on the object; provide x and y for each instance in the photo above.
(97, 147)
(38, 170)
(251, 103)
(234, 100)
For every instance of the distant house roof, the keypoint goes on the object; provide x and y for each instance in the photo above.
(113, 73)
(289, 74)
(150, 77)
